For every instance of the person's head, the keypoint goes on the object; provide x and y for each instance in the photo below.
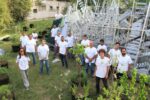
(43, 42)
(91, 44)
(22, 33)
(62, 38)
(22, 52)
(30, 37)
(117, 45)
(54, 26)
(84, 37)
(69, 34)
(123, 51)
(102, 41)
(58, 33)
(101, 53)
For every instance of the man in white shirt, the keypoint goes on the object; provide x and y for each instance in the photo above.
(63, 51)
(102, 46)
(35, 36)
(31, 48)
(85, 42)
(113, 55)
(101, 70)
(54, 31)
(23, 39)
(70, 41)
(124, 63)
(56, 47)
(43, 53)
(90, 55)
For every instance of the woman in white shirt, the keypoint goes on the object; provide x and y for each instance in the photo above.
(43, 53)
(101, 70)
(63, 51)
(23, 63)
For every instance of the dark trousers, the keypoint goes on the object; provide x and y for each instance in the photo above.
(119, 75)
(98, 83)
(63, 59)
(52, 43)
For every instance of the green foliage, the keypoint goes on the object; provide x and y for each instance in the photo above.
(3, 70)
(15, 39)
(77, 50)
(142, 91)
(5, 92)
(19, 9)
(5, 18)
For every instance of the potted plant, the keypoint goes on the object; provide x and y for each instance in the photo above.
(15, 43)
(4, 78)
(6, 93)
(3, 61)
(79, 86)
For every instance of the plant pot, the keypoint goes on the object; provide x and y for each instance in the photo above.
(4, 63)
(25, 28)
(15, 48)
(6, 39)
(4, 79)
(31, 25)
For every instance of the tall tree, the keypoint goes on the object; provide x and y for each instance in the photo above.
(5, 18)
(19, 9)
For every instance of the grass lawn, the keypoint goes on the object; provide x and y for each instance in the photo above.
(55, 86)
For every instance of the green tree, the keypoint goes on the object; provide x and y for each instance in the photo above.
(19, 9)
(5, 18)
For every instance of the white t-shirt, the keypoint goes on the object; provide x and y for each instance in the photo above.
(30, 45)
(62, 47)
(23, 40)
(23, 62)
(90, 52)
(58, 16)
(102, 65)
(57, 39)
(54, 32)
(102, 47)
(43, 52)
(85, 42)
(123, 63)
(35, 36)
(114, 54)
(70, 41)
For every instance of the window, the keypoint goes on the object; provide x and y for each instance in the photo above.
(57, 7)
(51, 8)
(34, 10)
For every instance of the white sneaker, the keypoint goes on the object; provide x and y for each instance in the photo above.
(56, 60)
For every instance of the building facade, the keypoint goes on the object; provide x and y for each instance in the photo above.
(46, 8)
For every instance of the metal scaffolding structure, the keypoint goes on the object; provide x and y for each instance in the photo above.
(104, 20)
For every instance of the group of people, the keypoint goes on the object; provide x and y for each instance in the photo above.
(98, 60)
(102, 62)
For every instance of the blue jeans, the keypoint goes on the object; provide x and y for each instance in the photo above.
(33, 57)
(42, 64)
(82, 59)
(91, 67)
